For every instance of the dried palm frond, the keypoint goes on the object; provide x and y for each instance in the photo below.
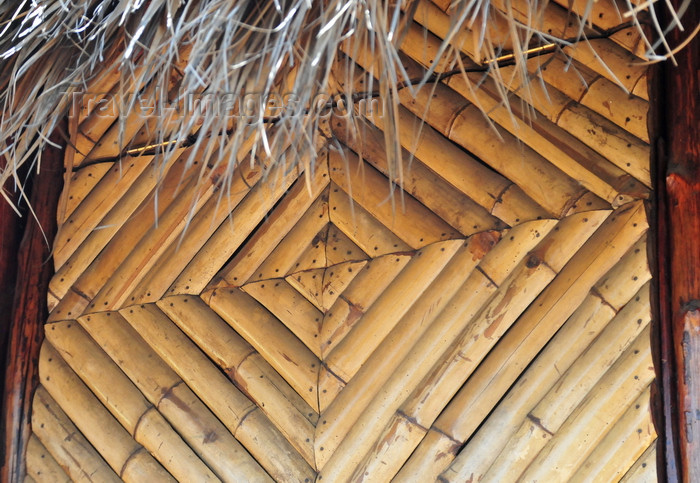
(263, 67)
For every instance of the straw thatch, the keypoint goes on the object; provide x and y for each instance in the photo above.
(449, 283)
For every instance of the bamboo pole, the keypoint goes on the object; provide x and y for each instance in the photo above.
(364, 290)
(603, 56)
(179, 405)
(407, 218)
(308, 283)
(286, 216)
(622, 446)
(337, 278)
(65, 443)
(139, 260)
(41, 466)
(287, 354)
(245, 421)
(368, 233)
(126, 403)
(628, 112)
(453, 206)
(110, 439)
(278, 401)
(350, 445)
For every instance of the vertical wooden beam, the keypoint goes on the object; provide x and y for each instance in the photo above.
(29, 310)
(678, 257)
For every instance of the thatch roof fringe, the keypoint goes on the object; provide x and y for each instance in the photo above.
(173, 50)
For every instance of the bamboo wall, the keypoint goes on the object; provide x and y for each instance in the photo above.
(485, 317)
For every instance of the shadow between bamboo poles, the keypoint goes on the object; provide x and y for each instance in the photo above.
(29, 310)
(676, 160)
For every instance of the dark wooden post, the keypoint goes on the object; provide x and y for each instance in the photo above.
(29, 312)
(678, 257)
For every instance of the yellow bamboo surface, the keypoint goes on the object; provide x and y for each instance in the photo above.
(476, 309)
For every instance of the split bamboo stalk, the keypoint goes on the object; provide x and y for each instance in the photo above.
(644, 469)
(110, 439)
(308, 283)
(363, 291)
(562, 397)
(627, 277)
(591, 420)
(91, 265)
(493, 144)
(329, 386)
(601, 55)
(165, 389)
(288, 214)
(313, 255)
(109, 226)
(622, 446)
(41, 466)
(290, 308)
(605, 15)
(466, 411)
(514, 295)
(543, 99)
(538, 324)
(281, 260)
(99, 201)
(349, 444)
(140, 259)
(557, 145)
(380, 366)
(628, 112)
(454, 165)
(126, 403)
(65, 443)
(453, 206)
(78, 186)
(337, 278)
(245, 421)
(352, 352)
(409, 219)
(198, 230)
(229, 237)
(621, 148)
(102, 111)
(361, 227)
(246, 368)
(287, 354)
(341, 249)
